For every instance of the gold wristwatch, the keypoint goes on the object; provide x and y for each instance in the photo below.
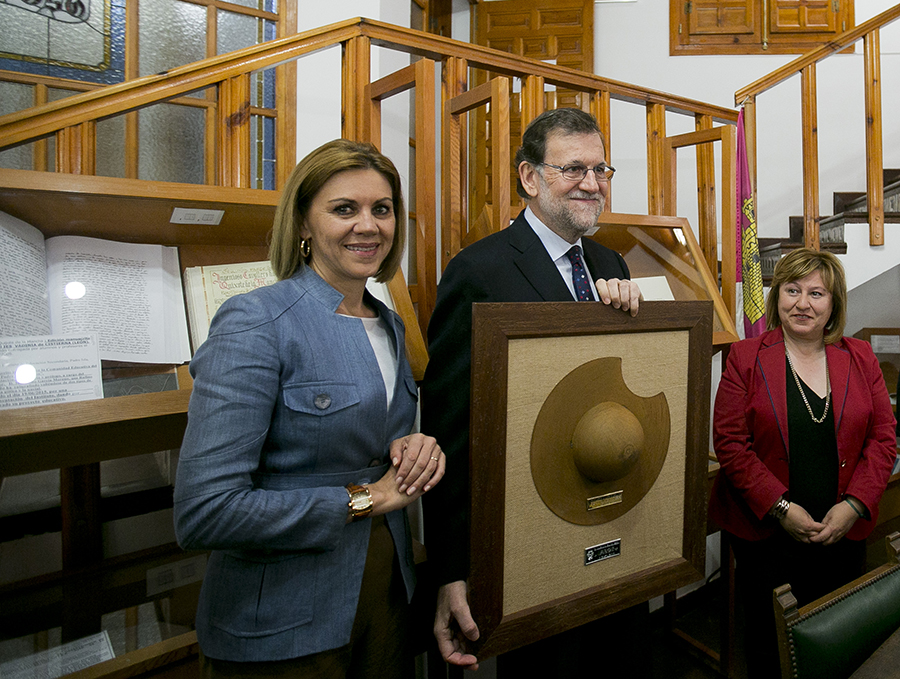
(360, 501)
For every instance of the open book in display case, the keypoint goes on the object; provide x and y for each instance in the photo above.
(131, 211)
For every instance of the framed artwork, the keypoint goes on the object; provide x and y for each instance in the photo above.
(588, 457)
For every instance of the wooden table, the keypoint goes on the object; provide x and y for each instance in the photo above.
(884, 662)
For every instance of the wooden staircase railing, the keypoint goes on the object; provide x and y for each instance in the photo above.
(73, 121)
(869, 33)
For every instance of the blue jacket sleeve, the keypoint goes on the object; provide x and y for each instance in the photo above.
(236, 386)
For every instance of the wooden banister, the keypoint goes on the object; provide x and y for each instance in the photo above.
(868, 32)
(792, 68)
(23, 126)
(30, 124)
(420, 76)
(703, 139)
(656, 160)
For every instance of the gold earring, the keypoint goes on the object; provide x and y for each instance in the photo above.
(304, 248)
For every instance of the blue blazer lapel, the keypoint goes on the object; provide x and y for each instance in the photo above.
(535, 264)
(397, 329)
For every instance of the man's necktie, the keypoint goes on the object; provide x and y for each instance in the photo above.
(579, 276)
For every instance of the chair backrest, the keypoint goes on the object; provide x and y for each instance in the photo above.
(834, 635)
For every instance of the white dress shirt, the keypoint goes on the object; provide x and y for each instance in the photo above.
(558, 247)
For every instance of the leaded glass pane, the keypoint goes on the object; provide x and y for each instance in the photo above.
(236, 31)
(263, 92)
(270, 30)
(269, 150)
(172, 33)
(76, 40)
(171, 143)
(266, 5)
(111, 147)
(262, 152)
(16, 97)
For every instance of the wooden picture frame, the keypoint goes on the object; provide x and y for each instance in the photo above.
(519, 595)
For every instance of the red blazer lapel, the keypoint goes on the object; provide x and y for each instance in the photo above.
(839, 374)
(771, 364)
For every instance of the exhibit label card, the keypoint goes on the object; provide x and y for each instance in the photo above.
(48, 369)
(61, 660)
(885, 344)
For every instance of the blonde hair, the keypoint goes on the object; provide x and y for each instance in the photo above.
(799, 264)
(307, 180)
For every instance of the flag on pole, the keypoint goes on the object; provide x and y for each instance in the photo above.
(750, 302)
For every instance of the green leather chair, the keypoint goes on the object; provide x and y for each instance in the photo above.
(831, 637)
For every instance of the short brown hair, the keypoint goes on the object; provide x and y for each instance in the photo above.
(799, 264)
(307, 180)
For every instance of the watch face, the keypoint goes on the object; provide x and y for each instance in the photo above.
(361, 500)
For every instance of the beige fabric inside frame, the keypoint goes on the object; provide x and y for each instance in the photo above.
(543, 554)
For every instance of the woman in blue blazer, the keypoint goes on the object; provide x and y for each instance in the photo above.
(297, 463)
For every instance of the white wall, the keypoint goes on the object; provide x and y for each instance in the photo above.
(319, 75)
(620, 27)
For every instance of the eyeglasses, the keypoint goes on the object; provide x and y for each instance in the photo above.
(576, 173)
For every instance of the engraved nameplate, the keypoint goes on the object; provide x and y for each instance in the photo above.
(606, 550)
(604, 500)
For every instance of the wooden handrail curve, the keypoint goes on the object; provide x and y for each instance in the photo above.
(868, 32)
(40, 121)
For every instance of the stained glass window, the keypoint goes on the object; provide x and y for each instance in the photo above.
(84, 40)
(76, 39)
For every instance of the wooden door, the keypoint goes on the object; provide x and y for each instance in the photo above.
(556, 31)
(738, 19)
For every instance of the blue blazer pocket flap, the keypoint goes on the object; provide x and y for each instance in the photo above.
(320, 398)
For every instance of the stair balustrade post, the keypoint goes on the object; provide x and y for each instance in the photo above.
(874, 148)
(810, 157)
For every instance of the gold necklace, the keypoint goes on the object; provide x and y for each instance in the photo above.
(803, 393)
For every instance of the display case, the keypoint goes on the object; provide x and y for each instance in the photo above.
(132, 612)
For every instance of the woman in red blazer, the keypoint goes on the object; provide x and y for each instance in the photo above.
(804, 433)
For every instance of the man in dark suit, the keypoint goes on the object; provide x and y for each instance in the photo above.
(564, 179)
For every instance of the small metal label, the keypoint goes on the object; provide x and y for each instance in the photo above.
(604, 500)
(606, 550)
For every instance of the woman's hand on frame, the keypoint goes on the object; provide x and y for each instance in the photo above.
(419, 462)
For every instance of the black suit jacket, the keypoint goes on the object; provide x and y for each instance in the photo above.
(509, 266)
